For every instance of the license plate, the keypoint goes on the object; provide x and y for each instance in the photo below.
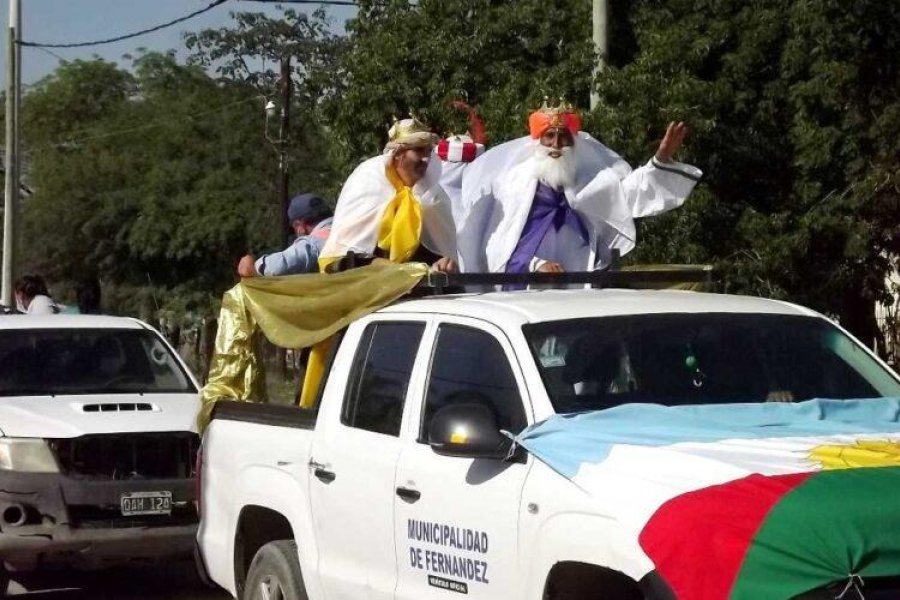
(146, 503)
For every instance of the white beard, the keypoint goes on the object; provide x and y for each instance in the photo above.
(555, 172)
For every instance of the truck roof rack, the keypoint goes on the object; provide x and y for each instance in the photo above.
(641, 278)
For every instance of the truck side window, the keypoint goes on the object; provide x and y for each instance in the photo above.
(469, 365)
(380, 376)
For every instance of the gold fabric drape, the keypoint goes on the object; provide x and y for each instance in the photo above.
(296, 311)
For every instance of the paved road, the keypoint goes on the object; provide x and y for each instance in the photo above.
(170, 582)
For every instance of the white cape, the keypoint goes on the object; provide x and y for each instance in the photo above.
(362, 202)
(498, 190)
(452, 181)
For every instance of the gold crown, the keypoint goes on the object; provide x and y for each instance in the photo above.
(556, 112)
(410, 131)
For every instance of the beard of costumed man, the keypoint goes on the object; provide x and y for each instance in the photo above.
(559, 200)
(392, 206)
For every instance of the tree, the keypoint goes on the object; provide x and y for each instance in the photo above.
(156, 181)
(250, 53)
(503, 57)
(794, 105)
(795, 111)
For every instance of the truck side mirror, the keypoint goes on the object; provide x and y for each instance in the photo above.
(467, 430)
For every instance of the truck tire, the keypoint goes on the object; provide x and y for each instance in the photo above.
(580, 581)
(275, 573)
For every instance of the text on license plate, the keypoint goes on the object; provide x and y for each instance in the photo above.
(146, 503)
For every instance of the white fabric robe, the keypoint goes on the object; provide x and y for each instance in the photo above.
(364, 198)
(451, 180)
(499, 188)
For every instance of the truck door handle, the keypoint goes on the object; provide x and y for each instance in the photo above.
(408, 494)
(321, 471)
(325, 475)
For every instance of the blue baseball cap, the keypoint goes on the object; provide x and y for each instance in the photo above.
(308, 207)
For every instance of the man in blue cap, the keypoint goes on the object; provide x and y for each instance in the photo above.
(310, 218)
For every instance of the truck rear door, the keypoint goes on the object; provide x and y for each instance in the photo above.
(457, 518)
(354, 458)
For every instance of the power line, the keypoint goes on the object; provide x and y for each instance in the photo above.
(128, 36)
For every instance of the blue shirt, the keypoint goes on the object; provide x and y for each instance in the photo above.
(300, 257)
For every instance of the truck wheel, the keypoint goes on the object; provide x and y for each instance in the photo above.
(275, 573)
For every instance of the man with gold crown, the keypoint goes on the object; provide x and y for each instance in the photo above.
(559, 200)
(393, 207)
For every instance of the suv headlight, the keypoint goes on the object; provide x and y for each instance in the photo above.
(26, 455)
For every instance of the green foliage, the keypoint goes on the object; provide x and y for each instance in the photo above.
(794, 108)
(502, 57)
(250, 53)
(160, 181)
(163, 173)
(252, 49)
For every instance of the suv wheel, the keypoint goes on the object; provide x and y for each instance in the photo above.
(275, 573)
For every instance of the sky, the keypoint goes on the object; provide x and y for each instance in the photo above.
(52, 21)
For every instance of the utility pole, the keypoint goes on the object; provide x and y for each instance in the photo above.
(601, 43)
(287, 91)
(11, 158)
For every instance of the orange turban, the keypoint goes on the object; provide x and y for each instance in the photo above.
(542, 120)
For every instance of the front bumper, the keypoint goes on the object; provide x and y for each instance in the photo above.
(77, 522)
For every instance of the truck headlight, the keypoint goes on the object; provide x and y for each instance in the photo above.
(26, 455)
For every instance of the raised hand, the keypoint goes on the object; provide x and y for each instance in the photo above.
(672, 141)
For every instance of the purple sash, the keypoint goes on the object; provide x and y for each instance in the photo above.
(549, 209)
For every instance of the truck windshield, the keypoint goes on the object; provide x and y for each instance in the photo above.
(41, 362)
(672, 359)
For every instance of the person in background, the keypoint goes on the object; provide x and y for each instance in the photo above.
(310, 218)
(32, 297)
(88, 295)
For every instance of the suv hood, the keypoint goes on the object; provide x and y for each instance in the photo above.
(742, 501)
(74, 416)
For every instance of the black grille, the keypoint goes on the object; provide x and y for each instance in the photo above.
(120, 457)
(99, 517)
(117, 407)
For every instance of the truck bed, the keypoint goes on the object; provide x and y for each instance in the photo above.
(254, 455)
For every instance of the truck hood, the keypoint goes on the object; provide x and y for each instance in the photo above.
(74, 416)
(743, 500)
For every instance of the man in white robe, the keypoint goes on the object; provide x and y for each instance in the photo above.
(559, 200)
(393, 207)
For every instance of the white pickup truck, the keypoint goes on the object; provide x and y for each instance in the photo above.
(681, 409)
